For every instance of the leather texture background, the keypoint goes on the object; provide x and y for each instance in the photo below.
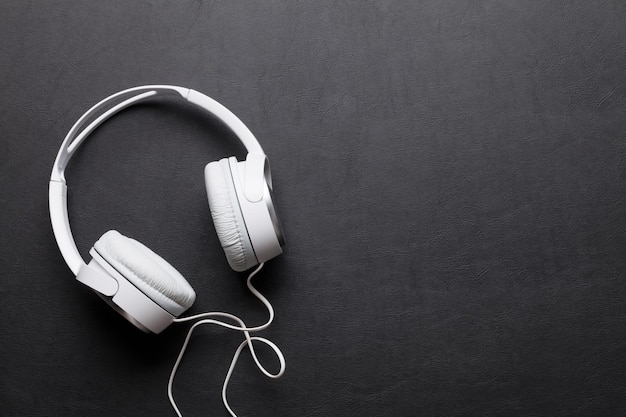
(450, 176)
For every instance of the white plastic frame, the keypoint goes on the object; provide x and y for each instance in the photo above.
(264, 232)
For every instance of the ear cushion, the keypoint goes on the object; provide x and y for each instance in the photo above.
(150, 273)
(227, 218)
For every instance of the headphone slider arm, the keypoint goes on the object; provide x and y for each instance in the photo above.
(96, 278)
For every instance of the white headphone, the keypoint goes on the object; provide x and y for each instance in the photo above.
(141, 285)
(137, 282)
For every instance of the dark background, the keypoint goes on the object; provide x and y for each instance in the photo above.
(450, 176)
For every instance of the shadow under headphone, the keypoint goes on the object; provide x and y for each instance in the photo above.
(138, 283)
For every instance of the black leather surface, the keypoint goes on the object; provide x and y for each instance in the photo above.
(450, 176)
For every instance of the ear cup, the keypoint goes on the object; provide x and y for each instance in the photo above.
(147, 271)
(227, 217)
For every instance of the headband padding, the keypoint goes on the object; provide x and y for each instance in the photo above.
(227, 218)
(150, 273)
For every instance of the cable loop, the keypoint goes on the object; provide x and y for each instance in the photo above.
(202, 320)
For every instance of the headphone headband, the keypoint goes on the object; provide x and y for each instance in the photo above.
(103, 110)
